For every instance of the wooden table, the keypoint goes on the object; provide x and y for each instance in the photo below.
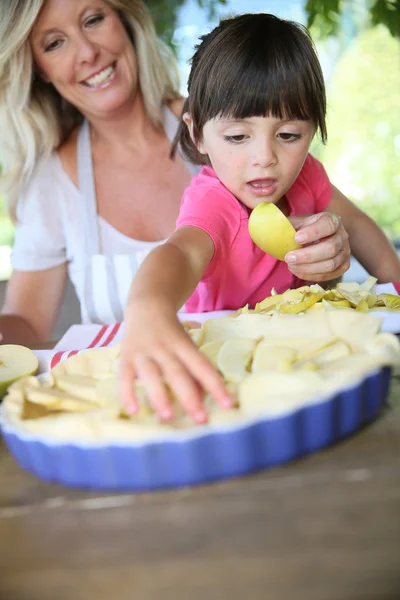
(323, 528)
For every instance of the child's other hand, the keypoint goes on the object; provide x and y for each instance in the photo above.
(325, 254)
(157, 350)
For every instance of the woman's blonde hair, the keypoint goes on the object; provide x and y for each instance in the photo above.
(34, 118)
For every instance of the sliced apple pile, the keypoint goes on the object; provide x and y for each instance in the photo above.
(15, 362)
(359, 297)
(271, 231)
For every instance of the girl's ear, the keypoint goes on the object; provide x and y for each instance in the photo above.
(187, 119)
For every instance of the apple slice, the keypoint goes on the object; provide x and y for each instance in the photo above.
(15, 362)
(271, 231)
(234, 357)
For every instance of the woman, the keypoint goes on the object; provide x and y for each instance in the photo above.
(89, 109)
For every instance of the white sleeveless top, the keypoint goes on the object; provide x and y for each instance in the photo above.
(58, 223)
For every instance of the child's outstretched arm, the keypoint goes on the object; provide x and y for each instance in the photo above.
(368, 243)
(156, 348)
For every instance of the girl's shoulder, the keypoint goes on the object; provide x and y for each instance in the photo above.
(206, 200)
(206, 186)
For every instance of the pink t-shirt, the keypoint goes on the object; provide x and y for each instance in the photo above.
(239, 272)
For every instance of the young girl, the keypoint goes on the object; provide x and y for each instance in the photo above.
(256, 100)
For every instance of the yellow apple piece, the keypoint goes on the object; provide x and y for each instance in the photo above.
(369, 283)
(353, 327)
(271, 231)
(293, 308)
(339, 303)
(270, 358)
(109, 391)
(15, 362)
(337, 350)
(275, 300)
(78, 385)
(98, 363)
(58, 400)
(196, 334)
(391, 301)
(211, 349)
(234, 358)
(311, 348)
(270, 393)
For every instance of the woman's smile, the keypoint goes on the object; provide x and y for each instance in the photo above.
(102, 78)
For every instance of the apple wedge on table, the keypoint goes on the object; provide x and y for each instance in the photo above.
(15, 362)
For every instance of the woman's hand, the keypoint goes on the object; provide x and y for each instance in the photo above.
(325, 254)
(157, 350)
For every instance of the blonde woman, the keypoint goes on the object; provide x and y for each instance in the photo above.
(88, 108)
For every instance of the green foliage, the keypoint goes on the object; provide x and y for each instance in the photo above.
(164, 13)
(362, 156)
(325, 14)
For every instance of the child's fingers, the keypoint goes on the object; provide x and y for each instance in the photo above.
(150, 375)
(184, 387)
(207, 375)
(127, 376)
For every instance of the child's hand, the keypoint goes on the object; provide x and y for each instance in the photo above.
(326, 250)
(157, 350)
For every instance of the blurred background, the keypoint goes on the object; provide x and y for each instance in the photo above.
(358, 42)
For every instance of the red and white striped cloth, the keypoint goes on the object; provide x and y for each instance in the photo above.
(85, 337)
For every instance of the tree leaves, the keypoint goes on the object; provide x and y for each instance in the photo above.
(165, 13)
(387, 12)
(326, 14)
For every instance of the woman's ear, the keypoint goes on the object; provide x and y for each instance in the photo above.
(187, 119)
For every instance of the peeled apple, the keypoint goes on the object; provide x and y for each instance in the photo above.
(271, 231)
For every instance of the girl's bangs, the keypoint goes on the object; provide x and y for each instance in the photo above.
(259, 92)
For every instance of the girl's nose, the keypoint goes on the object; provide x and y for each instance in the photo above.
(265, 155)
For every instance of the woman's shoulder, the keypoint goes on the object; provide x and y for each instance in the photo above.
(176, 105)
(48, 189)
(68, 156)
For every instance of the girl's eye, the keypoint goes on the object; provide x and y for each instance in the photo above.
(94, 20)
(234, 139)
(52, 46)
(289, 137)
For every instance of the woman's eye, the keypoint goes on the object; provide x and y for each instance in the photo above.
(92, 21)
(52, 46)
(234, 139)
(289, 137)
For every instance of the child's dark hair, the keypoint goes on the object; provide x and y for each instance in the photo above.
(249, 66)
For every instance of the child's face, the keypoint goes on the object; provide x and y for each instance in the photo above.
(258, 158)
